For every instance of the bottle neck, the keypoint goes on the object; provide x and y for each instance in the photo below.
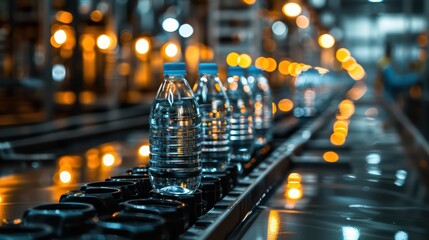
(174, 77)
(209, 75)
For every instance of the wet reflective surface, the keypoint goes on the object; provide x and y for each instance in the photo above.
(39, 183)
(366, 187)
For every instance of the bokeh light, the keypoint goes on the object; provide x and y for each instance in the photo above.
(269, 64)
(326, 40)
(349, 63)
(249, 2)
(302, 21)
(144, 150)
(279, 28)
(142, 46)
(233, 59)
(104, 42)
(291, 9)
(65, 176)
(108, 159)
(60, 36)
(259, 62)
(64, 17)
(245, 60)
(186, 30)
(285, 105)
(342, 55)
(284, 67)
(171, 50)
(96, 15)
(170, 24)
(330, 156)
(294, 177)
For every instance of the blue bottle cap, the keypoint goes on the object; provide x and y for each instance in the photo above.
(174, 68)
(235, 71)
(208, 68)
(252, 70)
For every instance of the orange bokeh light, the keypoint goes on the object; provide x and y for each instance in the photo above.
(330, 156)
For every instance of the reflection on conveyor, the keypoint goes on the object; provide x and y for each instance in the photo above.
(367, 187)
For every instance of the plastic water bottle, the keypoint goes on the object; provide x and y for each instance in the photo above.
(262, 100)
(305, 97)
(175, 135)
(241, 101)
(215, 112)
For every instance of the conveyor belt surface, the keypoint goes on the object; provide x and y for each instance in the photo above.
(369, 187)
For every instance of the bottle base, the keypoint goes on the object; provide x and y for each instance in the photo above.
(175, 190)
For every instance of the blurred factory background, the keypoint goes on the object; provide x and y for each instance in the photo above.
(61, 58)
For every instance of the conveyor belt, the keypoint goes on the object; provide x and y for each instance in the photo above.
(375, 179)
(373, 191)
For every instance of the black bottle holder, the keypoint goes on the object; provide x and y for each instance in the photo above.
(66, 219)
(26, 231)
(134, 226)
(225, 180)
(233, 170)
(175, 213)
(129, 189)
(211, 189)
(105, 200)
(142, 181)
(194, 202)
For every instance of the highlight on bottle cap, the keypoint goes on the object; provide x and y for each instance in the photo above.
(174, 68)
(252, 70)
(235, 71)
(208, 68)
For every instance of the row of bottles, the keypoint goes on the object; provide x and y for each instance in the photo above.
(202, 130)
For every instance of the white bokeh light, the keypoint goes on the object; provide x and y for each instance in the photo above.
(170, 24)
(279, 28)
(171, 50)
(186, 30)
(58, 72)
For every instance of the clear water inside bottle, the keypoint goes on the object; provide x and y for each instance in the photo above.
(175, 146)
(241, 121)
(263, 109)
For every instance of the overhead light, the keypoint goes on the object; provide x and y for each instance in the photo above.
(375, 1)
